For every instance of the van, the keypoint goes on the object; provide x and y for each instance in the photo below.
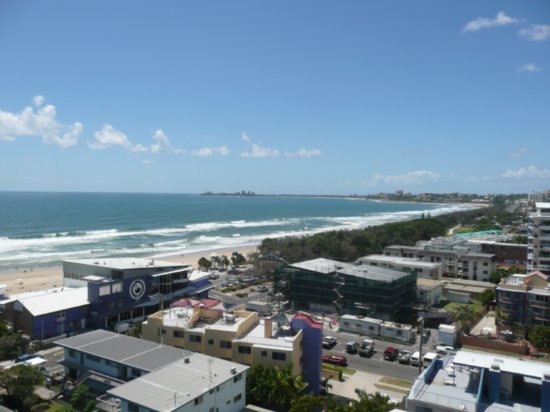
(415, 359)
(428, 358)
(444, 350)
(352, 347)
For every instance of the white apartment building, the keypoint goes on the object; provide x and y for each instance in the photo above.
(538, 250)
(427, 270)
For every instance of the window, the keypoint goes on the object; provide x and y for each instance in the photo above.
(210, 341)
(198, 400)
(281, 356)
(104, 290)
(93, 358)
(238, 397)
(245, 349)
(263, 353)
(195, 338)
(111, 305)
(225, 344)
(177, 334)
(237, 378)
(485, 264)
(163, 331)
(116, 287)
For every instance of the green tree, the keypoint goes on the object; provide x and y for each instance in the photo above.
(80, 397)
(369, 402)
(19, 382)
(237, 259)
(540, 336)
(464, 315)
(308, 403)
(275, 388)
(204, 263)
(487, 296)
(224, 261)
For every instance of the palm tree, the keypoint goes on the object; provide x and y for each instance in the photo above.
(464, 315)
(369, 402)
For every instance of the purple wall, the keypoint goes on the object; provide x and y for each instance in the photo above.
(312, 350)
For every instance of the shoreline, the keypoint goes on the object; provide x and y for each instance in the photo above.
(43, 278)
(30, 279)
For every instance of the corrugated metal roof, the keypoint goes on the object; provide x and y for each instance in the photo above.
(55, 301)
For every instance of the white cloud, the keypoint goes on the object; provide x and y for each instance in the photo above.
(529, 68)
(146, 161)
(519, 153)
(416, 177)
(527, 172)
(245, 138)
(161, 140)
(210, 151)
(501, 19)
(261, 151)
(41, 122)
(536, 32)
(304, 153)
(108, 136)
(38, 100)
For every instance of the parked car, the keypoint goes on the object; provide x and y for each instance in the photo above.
(367, 351)
(415, 359)
(26, 357)
(329, 342)
(390, 354)
(366, 343)
(352, 347)
(404, 356)
(338, 360)
(262, 289)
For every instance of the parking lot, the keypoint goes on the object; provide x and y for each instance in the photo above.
(376, 362)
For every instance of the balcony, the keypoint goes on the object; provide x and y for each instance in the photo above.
(108, 403)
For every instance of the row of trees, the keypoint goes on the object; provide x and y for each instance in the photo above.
(279, 390)
(222, 262)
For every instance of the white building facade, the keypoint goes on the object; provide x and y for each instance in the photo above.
(538, 250)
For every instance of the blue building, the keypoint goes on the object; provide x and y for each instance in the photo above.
(103, 293)
(138, 375)
(313, 350)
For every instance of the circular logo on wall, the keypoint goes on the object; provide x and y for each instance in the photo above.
(137, 289)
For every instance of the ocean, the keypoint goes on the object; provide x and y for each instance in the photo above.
(42, 229)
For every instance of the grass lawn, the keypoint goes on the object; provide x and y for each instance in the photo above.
(347, 371)
(451, 306)
(395, 382)
(464, 229)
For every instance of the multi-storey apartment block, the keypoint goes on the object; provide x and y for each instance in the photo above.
(538, 251)
(524, 299)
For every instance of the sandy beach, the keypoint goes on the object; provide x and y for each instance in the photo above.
(35, 279)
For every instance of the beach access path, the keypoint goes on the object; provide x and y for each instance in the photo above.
(22, 280)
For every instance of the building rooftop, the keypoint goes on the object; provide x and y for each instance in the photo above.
(428, 283)
(127, 263)
(542, 205)
(467, 282)
(327, 266)
(456, 383)
(55, 300)
(362, 318)
(178, 383)
(137, 353)
(400, 261)
(508, 364)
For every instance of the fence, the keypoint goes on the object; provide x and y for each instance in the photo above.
(489, 343)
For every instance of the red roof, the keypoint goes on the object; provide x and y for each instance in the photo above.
(193, 303)
(309, 320)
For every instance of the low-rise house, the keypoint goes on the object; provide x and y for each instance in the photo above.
(475, 381)
(138, 375)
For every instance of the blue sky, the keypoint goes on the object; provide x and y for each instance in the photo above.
(275, 97)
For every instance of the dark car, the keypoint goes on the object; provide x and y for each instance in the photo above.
(391, 353)
(338, 360)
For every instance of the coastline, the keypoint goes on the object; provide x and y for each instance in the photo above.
(37, 279)
(31, 279)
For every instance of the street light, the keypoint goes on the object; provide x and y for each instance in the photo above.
(420, 361)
